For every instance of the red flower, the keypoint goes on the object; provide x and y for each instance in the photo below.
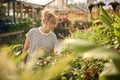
(94, 70)
(60, 19)
(87, 75)
(42, 62)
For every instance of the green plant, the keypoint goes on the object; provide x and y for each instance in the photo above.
(99, 52)
(102, 35)
(69, 64)
(77, 23)
(45, 61)
(83, 69)
(28, 23)
(16, 27)
(111, 22)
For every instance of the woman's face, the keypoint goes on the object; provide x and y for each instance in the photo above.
(51, 25)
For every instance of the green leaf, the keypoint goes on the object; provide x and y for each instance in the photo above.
(103, 12)
(101, 53)
(14, 46)
(110, 72)
(117, 32)
(79, 45)
(116, 63)
(106, 21)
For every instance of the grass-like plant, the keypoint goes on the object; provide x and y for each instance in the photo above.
(69, 66)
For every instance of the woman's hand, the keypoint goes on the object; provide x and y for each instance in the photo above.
(21, 65)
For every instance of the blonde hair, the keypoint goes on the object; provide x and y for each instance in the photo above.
(48, 16)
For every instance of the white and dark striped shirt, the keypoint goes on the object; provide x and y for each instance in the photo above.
(38, 40)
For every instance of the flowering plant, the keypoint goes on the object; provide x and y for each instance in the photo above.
(83, 69)
(44, 62)
(80, 69)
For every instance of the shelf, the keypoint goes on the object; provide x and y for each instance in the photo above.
(12, 33)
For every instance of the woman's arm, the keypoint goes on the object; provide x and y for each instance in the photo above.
(52, 51)
(26, 46)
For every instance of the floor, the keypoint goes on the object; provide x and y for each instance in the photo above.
(59, 46)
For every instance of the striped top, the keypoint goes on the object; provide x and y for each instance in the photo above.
(38, 40)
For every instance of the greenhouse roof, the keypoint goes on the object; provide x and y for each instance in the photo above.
(40, 2)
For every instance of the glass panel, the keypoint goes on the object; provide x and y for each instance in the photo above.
(41, 2)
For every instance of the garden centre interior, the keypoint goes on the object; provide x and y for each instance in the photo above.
(88, 34)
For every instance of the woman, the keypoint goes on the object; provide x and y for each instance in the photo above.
(42, 37)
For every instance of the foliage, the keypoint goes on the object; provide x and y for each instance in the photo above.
(7, 68)
(16, 49)
(17, 40)
(1, 11)
(45, 61)
(81, 59)
(47, 68)
(16, 27)
(26, 24)
(78, 5)
(108, 36)
(105, 36)
(111, 22)
(83, 69)
(61, 67)
(99, 52)
(105, 18)
(12, 40)
(77, 24)
(77, 35)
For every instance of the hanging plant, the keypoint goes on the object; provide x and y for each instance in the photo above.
(90, 7)
(114, 5)
(100, 4)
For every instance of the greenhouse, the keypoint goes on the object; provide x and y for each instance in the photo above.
(59, 39)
